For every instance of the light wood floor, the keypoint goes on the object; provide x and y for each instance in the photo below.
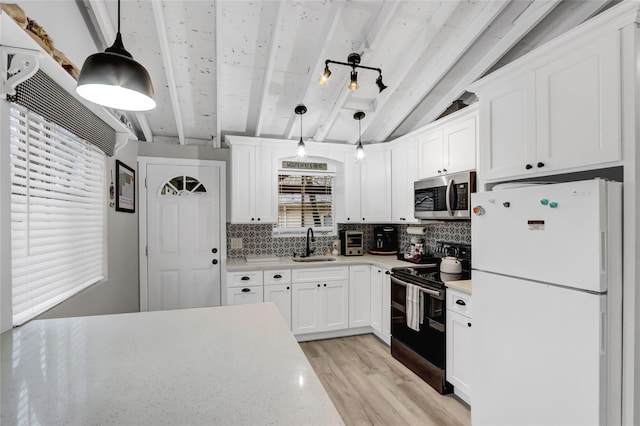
(369, 387)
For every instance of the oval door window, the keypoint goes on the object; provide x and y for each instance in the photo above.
(182, 186)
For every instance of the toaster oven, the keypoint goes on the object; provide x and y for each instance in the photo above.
(351, 243)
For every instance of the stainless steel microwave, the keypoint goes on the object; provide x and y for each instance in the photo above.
(444, 197)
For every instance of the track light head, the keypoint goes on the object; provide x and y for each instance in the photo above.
(353, 84)
(325, 75)
(380, 84)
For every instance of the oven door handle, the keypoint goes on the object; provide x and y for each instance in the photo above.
(448, 197)
(425, 290)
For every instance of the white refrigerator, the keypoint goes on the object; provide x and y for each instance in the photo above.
(547, 296)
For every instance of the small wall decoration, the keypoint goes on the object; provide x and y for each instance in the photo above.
(126, 188)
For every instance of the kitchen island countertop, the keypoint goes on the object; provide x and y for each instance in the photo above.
(287, 262)
(223, 365)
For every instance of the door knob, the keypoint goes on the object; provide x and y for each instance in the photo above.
(214, 261)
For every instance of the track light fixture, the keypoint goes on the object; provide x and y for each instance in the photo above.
(359, 149)
(302, 149)
(353, 61)
(114, 79)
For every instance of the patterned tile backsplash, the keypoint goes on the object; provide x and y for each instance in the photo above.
(257, 240)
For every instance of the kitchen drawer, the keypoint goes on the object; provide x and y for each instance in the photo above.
(245, 295)
(277, 276)
(312, 275)
(244, 278)
(458, 301)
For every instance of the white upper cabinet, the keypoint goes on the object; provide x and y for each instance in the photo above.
(253, 184)
(578, 106)
(553, 112)
(367, 186)
(448, 145)
(375, 181)
(404, 172)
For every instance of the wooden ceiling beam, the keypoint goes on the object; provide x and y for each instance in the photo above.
(426, 83)
(521, 27)
(268, 76)
(165, 53)
(217, 140)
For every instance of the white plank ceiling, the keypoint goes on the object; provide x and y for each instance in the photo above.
(240, 67)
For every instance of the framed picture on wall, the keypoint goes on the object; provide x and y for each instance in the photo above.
(125, 188)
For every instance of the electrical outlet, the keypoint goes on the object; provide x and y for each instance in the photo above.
(236, 243)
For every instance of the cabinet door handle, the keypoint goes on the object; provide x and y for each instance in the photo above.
(252, 219)
(468, 324)
(214, 261)
(288, 287)
(246, 290)
(325, 285)
(444, 170)
(318, 285)
(258, 218)
(277, 276)
(540, 164)
(388, 272)
(363, 218)
(528, 167)
(245, 278)
(439, 171)
(460, 302)
(214, 250)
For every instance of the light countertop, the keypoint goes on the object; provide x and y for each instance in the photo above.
(225, 365)
(462, 285)
(287, 262)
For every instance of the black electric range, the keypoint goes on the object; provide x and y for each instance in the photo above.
(428, 275)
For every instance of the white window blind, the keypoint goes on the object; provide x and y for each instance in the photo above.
(305, 201)
(57, 214)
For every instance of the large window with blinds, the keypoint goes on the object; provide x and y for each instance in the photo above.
(305, 200)
(57, 214)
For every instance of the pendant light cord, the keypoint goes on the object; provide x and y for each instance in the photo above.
(300, 126)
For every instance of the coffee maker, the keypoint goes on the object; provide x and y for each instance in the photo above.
(385, 240)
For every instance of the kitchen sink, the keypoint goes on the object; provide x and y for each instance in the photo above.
(314, 259)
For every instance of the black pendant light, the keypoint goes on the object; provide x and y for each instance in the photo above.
(114, 79)
(359, 149)
(302, 149)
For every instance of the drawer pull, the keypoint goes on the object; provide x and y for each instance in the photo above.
(460, 302)
(246, 290)
(245, 278)
(277, 276)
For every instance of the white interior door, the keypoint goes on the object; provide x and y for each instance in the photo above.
(183, 236)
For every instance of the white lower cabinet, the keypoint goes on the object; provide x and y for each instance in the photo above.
(280, 294)
(360, 296)
(319, 300)
(386, 306)
(381, 303)
(244, 295)
(459, 343)
(277, 289)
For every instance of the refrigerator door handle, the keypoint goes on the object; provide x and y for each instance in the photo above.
(603, 252)
(448, 197)
(603, 333)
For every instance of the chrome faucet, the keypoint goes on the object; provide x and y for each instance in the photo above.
(309, 250)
